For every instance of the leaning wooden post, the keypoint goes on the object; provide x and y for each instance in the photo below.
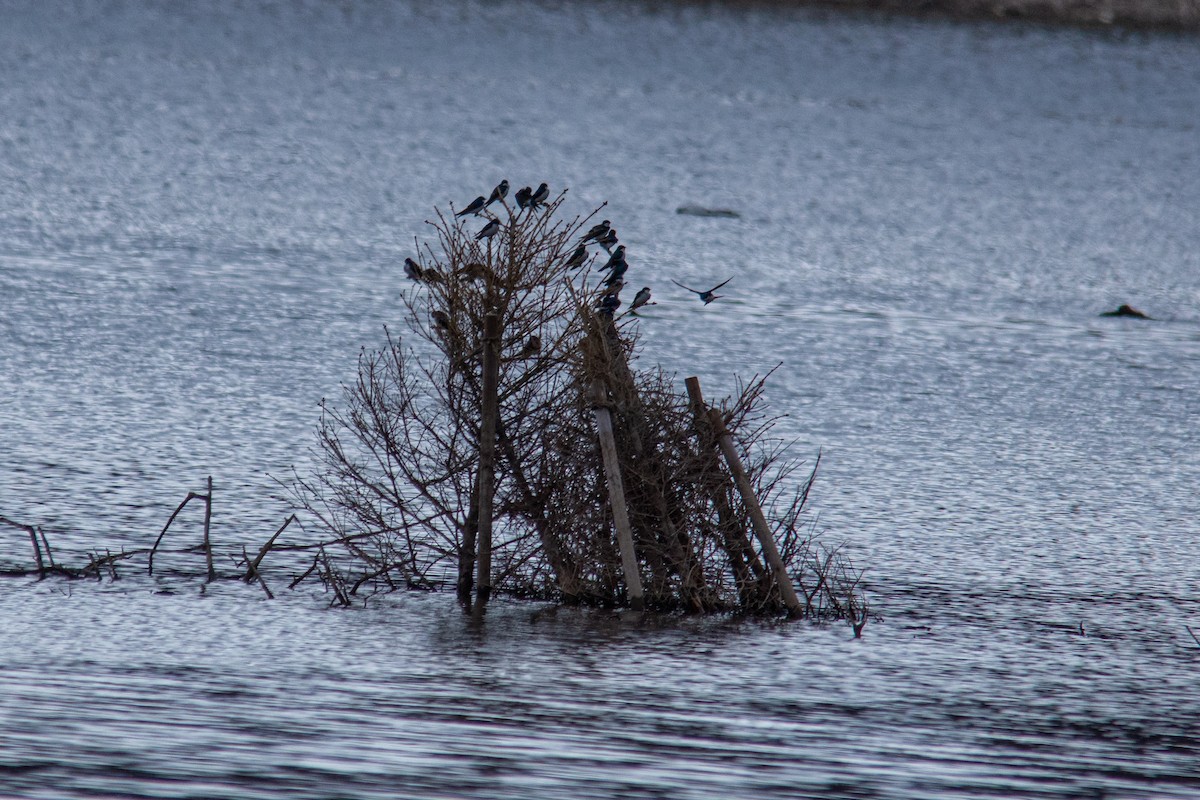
(487, 450)
(212, 573)
(761, 528)
(616, 494)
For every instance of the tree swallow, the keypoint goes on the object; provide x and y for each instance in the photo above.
(608, 239)
(616, 258)
(488, 230)
(706, 296)
(475, 207)
(523, 196)
(499, 193)
(596, 231)
(577, 258)
(413, 270)
(441, 320)
(618, 273)
(539, 197)
(640, 299)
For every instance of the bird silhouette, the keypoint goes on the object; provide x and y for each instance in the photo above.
(707, 296)
(640, 299)
(413, 270)
(596, 231)
(499, 193)
(474, 207)
(441, 320)
(608, 240)
(475, 272)
(522, 196)
(533, 346)
(617, 257)
(488, 230)
(539, 196)
(618, 273)
(576, 259)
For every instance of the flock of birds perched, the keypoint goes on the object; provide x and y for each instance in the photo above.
(602, 234)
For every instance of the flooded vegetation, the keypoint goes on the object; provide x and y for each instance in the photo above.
(204, 217)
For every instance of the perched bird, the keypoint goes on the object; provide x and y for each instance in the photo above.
(523, 196)
(618, 273)
(431, 275)
(617, 257)
(499, 193)
(706, 296)
(533, 346)
(441, 320)
(488, 230)
(539, 196)
(474, 207)
(640, 299)
(608, 240)
(576, 259)
(613, 287)
(608, 304)
(475, 272)
(413, 270)
(596, 231)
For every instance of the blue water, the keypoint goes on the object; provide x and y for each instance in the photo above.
(203, 212)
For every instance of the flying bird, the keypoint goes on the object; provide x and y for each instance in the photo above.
(522, 196)
(539, 196)
(413, 270)
(499, 193)
(596, 231)
(608, 239)
(576, 259)
(488, 230)
(476, 205)
(640, 299)
(706, 296)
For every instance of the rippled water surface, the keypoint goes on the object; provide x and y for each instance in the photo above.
(203, 208)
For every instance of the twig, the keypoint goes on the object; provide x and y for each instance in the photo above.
(1193, 633)
(150, 561)
(252, 568)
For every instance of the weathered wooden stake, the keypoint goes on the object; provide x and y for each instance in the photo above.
(616, 494)
(761, 528)
(487, 450)
(212, 573)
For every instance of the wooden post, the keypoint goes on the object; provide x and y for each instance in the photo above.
(212, 573)
(761, 528)
(616, 494)
(487, 450)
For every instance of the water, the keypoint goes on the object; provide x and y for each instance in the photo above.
(203, 211)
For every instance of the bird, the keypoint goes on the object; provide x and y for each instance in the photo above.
(475, 272)
(577, 259)
(640, 299)
(533, 346)
(615, 258)
(539, 196)
(522, 196)
(475, 206)
(441, 320)
(608, 240)
(488, 230)
(499, 193)
(431, 275)
(706, 296)
(618, 273)
(413, 270)
(608, 304)
(613, 287)
(596, 231)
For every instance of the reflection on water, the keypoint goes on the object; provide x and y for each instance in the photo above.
(203, 211)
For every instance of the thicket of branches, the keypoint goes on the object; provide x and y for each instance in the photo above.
(399, 478)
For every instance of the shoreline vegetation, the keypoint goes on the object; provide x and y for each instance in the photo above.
(1162, 15)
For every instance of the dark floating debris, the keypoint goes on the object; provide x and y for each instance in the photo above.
(1126, 311)
(701, 211)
